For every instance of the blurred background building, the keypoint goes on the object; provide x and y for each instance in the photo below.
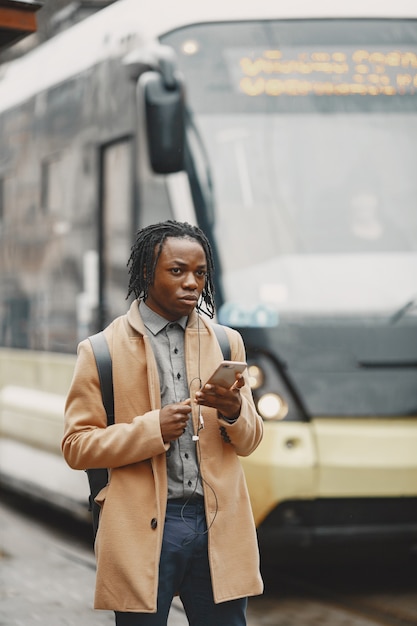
(17, 20)
(24, 24)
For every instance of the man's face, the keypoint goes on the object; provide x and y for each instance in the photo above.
(180, 276)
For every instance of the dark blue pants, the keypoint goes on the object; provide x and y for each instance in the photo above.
(184, 569)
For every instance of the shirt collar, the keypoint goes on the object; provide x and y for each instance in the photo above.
(154, 322)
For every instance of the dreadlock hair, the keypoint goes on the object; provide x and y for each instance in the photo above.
(145, 254)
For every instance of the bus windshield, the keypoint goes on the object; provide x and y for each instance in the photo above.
(310, 132)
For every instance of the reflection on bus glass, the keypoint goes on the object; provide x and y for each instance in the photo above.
(323, 71)
(260, 315)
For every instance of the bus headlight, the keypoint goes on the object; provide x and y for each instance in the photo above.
(272, 406)
(275, 396)
(256, 376)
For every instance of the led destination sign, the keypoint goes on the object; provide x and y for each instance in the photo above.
(324, 71)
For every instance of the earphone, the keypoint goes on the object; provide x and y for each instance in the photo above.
(200, 427)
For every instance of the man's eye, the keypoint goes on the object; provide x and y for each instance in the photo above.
(201, 273)
(175, 270)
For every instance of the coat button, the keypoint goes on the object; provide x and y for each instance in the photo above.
(154, 523)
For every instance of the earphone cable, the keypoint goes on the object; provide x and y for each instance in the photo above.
(199, 473)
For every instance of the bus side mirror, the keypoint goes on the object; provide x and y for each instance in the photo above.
(165, 123)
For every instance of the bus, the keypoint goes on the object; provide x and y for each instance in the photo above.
(288, 132)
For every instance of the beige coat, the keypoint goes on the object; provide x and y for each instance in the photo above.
(129, 538)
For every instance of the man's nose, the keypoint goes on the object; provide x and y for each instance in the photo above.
(190, 280)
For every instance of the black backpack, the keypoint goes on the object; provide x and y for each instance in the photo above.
(98, 477)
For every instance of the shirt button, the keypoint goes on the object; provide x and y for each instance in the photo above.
(189, 483)
(175, 350)
(186, 455)
(154, 523)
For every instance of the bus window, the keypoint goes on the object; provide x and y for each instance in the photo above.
(311, 130)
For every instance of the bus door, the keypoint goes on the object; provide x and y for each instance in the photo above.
(116, 227)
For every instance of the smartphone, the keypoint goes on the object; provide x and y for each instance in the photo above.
(225, 374)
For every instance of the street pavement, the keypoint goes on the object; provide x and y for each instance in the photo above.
(47, 578)
(45, 581)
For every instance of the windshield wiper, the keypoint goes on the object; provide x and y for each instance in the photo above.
(403, 310)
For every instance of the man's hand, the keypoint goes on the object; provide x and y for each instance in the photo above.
(173, 419)
(227, 401)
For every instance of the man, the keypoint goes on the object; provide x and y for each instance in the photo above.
(175, 516)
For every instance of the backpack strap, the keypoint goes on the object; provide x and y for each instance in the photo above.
(104, 367)
(98, 477)
(223, 340)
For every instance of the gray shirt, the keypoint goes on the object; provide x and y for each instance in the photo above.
(167, 341)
